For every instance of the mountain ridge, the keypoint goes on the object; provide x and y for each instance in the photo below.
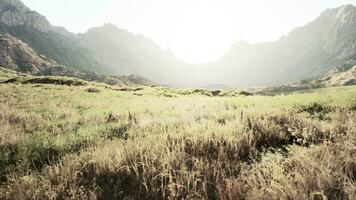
(307, 52)
(126, 53)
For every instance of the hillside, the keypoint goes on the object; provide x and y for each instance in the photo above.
(16, 55)
(342, 75)
(307, 52)
(106, 50)
(126, 53)
(338, 76)
(55, 43)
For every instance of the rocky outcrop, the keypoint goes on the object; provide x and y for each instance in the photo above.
(17, 55)
(339, 76)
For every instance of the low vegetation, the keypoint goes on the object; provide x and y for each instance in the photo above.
(94, 141)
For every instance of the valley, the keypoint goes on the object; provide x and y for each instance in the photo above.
(108, 114)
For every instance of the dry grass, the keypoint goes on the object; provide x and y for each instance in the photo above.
(116, 145)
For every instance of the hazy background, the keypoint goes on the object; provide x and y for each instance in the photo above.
(195, 30)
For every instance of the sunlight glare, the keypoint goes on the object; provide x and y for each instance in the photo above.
(202, 33)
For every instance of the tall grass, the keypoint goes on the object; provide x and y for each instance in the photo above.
(117, 145)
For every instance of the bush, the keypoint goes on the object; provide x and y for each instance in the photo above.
(55, 81)
(92, 90)
(246, 93)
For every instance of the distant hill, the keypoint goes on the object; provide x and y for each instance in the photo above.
(126, 53)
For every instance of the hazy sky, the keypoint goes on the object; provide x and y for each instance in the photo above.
(195, 30)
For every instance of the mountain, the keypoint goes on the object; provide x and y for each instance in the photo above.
(15, 13)
(307, 52)
(55, 42)
(126, 53)
(18, 56)
(105, 50)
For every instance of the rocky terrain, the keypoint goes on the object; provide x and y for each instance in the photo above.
(17, 55)
(342, 75)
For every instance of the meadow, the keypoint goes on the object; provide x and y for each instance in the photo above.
(95, 141)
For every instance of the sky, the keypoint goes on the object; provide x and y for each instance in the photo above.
(194, 30)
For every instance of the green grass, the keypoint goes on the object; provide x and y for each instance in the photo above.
(65, 142)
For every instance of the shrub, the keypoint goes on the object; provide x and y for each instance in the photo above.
(92, 90)
(246, 93)
(55, 81)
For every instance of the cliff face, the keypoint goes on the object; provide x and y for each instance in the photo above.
(15, 13)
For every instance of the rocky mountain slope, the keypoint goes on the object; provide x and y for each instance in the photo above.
(307, 52)
(55, 42)
(15, 13)
(106, 49)
(126, 53)
(17, 56)
(342, 75)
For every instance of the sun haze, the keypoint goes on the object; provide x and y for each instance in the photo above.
(195, 30)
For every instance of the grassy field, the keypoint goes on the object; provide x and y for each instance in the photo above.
(94, 141)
